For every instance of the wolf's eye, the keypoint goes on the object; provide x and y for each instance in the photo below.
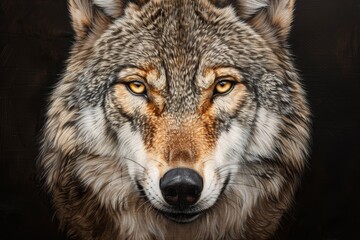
(223, 87)
(137, 87)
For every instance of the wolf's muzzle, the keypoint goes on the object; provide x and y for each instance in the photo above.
(181, 187)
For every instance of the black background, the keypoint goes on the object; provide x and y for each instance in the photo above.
(35, 36)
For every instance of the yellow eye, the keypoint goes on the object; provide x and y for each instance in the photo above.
(223, 87)
(137, 87)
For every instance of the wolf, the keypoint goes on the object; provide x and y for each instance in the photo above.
(175, 119)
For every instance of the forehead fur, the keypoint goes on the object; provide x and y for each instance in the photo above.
(181, 38)
(183, 33)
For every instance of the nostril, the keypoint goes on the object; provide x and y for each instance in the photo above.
(181, 186)
(171, 195)
(171, 192)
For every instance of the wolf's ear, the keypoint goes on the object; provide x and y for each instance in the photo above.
(271, 18)
(95, 15)
(92, 15)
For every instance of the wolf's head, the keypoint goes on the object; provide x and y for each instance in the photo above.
(191, 110)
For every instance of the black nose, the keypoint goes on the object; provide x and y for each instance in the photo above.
(181, 187)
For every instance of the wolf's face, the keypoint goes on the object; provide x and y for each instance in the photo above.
(191, 108)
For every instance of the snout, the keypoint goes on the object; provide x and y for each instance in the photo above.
(181, 187)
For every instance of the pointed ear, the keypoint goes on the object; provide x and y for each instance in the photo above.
(93, 15)
(272, 18)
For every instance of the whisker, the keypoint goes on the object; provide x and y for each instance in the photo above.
(129, 159)
(246, 185)
(141, 205)
(153, 159)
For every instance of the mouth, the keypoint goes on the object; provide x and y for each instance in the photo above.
(178, 217)
(181, 217)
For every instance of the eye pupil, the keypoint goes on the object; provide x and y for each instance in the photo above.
(137, 87)
(223, 87)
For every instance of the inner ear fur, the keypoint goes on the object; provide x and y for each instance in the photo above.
(87, 18)
(271, 18)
